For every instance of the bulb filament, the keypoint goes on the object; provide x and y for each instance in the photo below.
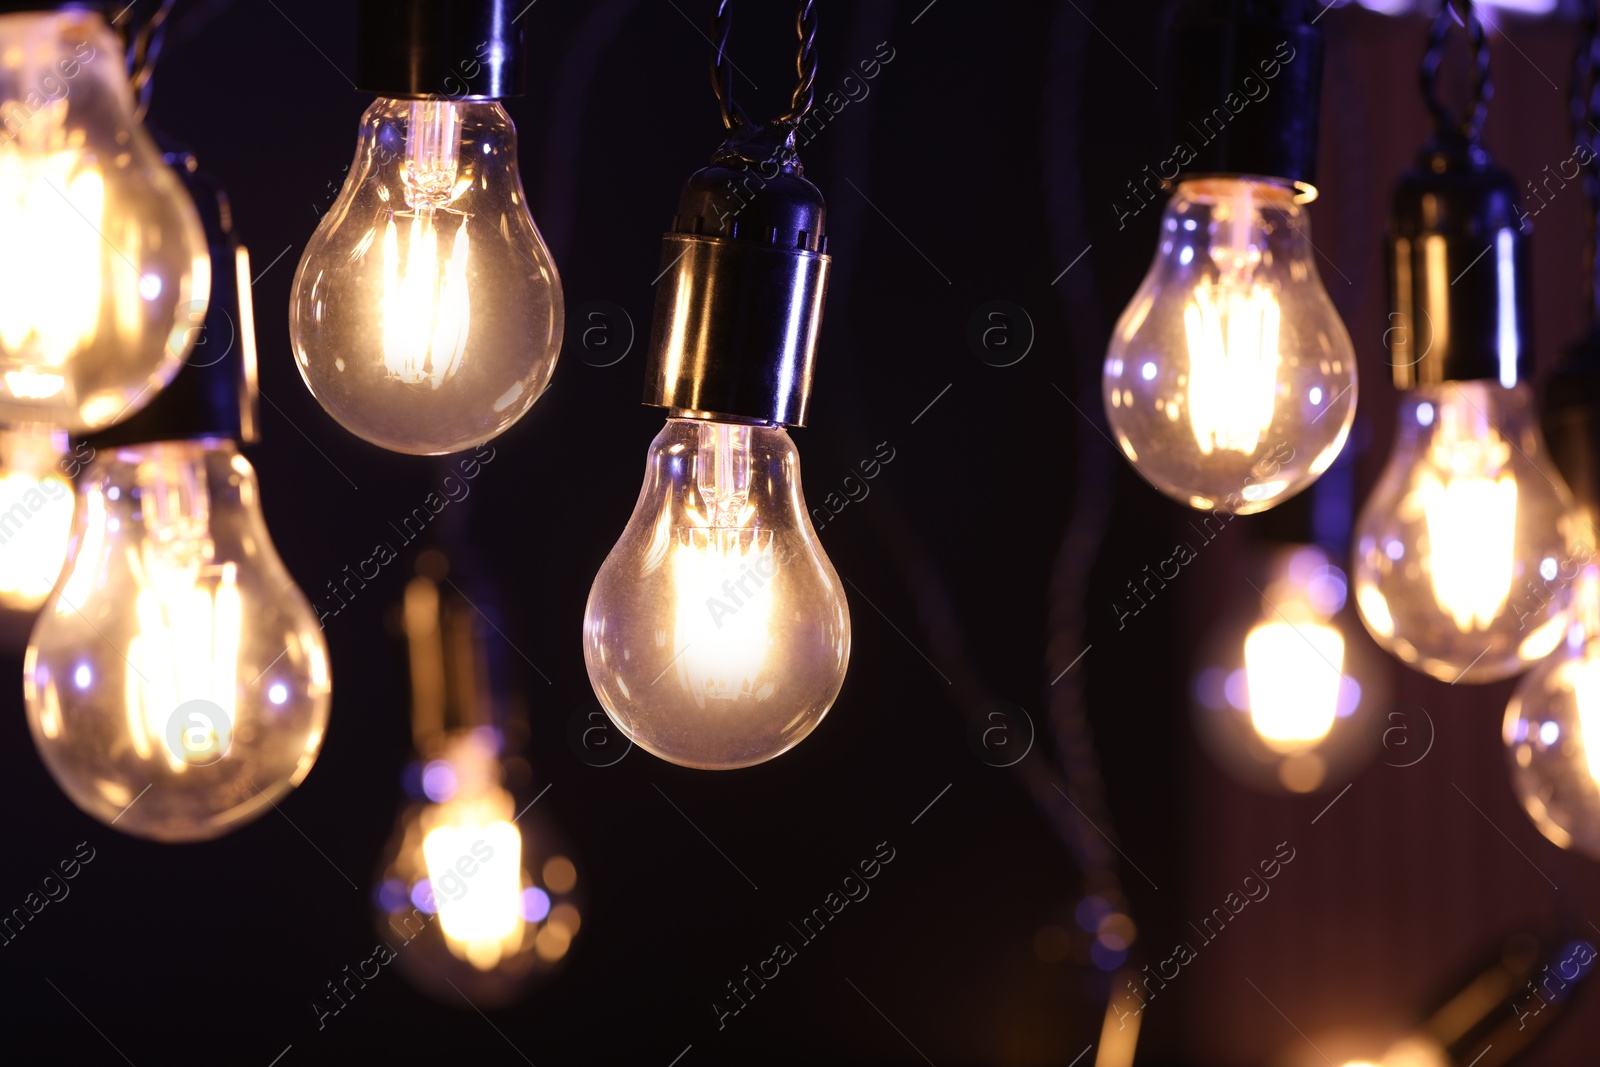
(1470, 504)
(427, 309)
(53, 204)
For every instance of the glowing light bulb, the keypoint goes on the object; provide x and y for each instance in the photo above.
(466, 896)
(717, 632)
(1281, 709)
(1552, 730)
(96, 313)
(177, 681)
(426, 315)
(1293, 671)
(1230, 382)
(35, 515)
(1457, 546)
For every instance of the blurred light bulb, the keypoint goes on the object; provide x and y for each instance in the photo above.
(177, 681)
(35, 515)
(1230, 381)
(465, 896)
(426, 315)
(1552, 730)
(1457, 544)
(109, 273)
(1282, 709)
(717, 632)
(1294, 671)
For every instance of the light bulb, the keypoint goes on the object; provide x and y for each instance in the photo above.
(426, 315)
(717, 632)
(1230, 381)
(108, 274)
(474, 892)
(1282, 709)
(1459, 547)
(35, 515)
(1552, 730)
(177, 681)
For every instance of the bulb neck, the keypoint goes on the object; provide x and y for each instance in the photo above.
(1257, 65)
(214, 393)
(744, 272)
(450, 49)
(1459, 273)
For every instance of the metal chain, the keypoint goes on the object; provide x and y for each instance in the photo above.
(1470, 125)
(805, 65)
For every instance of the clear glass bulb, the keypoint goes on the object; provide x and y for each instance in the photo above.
(1459, 548)
(35, 515)
(426, 315)
(1552, 731)
(108, 271)
(1230, 381)
(717, 632)
(1280, 705)
(474, 892)
(177, 680)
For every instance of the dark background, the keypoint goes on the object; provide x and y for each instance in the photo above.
(987, 157)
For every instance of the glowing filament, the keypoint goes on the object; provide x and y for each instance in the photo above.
(186, 649)
(1232, 329)
(1470, 505)
(36, 504)
(52, 208)
(475, 869)
(1293, 673)
(426, 307)
(723, 580)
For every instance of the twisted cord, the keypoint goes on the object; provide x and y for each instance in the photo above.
(143, 53)
(1470, 125)
(721, 70)
(1583, 107)
(805, 65)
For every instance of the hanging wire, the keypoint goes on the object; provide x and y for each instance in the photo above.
(1583, 108)
(1470, 125)
(143, 51)
(734, 117)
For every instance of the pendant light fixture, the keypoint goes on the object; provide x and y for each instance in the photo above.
(476, 895)
(426, 314)
(177, 681)
(1288, 690)
(1230, 381)
(94, 318)
(1552, 724)
(717, 632)
(1469, 511)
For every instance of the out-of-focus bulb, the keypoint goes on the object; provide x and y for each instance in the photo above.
(426, 315)
(1282, 709)
(1458, 548)
(1230, 381)
(177, 681)
(473, 899)
(1552, 730)
(1293, 675)
(109, 271)
(35, 515)
(717, 632)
